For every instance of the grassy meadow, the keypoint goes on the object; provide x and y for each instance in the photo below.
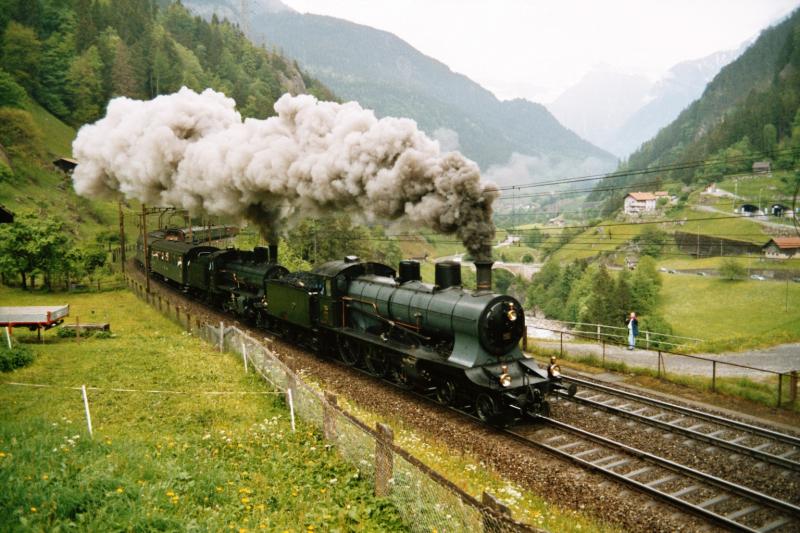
(731, 315)
(161, 461)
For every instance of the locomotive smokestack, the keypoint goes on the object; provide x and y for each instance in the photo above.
(273, 253)
(484, 275)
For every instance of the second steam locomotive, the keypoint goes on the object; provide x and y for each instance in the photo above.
(459, 345)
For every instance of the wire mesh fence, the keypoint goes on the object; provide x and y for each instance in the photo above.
(426, 500)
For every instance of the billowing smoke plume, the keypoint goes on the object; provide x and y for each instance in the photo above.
(193, 151)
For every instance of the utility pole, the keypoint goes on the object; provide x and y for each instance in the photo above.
(146, 250)
(121, 238)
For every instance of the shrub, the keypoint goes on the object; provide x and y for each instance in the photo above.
(19, 134)
(11, 93)
(656, 325)
(527, 258)
(17, 357)
(6, 174)
(732, 270)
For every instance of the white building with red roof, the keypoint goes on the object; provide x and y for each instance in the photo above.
(637, 203)
(782, 248)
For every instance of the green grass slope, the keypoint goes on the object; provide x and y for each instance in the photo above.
(162, 461)
(732, 315)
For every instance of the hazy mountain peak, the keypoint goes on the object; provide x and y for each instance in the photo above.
(385, 73)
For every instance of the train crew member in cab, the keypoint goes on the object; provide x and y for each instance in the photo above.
(553, 370)
(633, 330)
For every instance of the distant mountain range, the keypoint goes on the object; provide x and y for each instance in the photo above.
(619, 112)
(384, 73)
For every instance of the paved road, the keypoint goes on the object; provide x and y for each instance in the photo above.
(782, 358)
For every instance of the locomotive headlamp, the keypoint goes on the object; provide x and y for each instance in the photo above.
(512, 314)
(505, 377)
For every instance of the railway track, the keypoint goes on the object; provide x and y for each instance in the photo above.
(726, 504)
(767, 446)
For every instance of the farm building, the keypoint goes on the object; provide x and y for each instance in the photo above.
(782, 248)
(637, 203)
(65, 164)
(761, 167)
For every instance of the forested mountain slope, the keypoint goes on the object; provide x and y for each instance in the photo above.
(67, 59)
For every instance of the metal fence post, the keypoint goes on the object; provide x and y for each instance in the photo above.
(792, 387)
(713, 376)
(604, 352)
(780, 388)
(660, 362)
(329, 416)
(221, 335)
(562, 344)
(647, 339)
(598, 331)
(492, 505)
(384, 460)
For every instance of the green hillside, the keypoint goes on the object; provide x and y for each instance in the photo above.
(60, 63)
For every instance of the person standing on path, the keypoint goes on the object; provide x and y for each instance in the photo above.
(633, 330)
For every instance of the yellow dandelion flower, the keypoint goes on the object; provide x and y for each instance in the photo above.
(2, 454)
(120, 490)
(45, 477)
(108, 441)
(170, 493)
(245, 500)
(322, 491)
(219, 489)
(33, 509)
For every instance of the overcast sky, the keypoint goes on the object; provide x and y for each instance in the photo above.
(535, 49)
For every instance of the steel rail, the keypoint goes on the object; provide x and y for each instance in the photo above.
(789, 512)
(735, 424)
(689, 432)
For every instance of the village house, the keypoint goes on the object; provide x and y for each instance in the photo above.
(761, 167)
(637, 203)
(782, 248)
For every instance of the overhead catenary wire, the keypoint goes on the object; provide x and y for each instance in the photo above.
(649, 170)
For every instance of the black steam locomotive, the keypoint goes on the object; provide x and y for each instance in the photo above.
(459, 345)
